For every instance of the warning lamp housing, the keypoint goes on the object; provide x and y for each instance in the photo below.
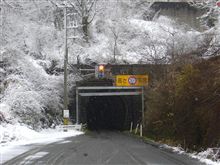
(100, 71)
(101, 68)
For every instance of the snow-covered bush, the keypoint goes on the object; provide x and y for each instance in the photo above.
(29, 92)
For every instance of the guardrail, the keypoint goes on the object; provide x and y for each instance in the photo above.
(77, 127)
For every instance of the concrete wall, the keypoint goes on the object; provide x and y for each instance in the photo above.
(182, 12)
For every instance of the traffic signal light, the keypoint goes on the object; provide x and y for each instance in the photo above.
(100, 71)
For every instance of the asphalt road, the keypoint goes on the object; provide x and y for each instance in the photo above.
(100, 148)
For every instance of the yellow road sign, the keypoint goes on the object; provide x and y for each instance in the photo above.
(131, 80)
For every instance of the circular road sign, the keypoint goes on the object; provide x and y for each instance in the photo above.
(218, 3)
(132, 80)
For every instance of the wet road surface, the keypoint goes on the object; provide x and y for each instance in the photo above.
(100, 148)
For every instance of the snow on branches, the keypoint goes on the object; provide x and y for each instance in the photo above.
(211, 15)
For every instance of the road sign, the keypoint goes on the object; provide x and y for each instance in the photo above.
(218, 3)
(131, 80)
(66, 114)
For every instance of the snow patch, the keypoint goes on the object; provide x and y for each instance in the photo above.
(17, 139)
(178, 149)
(30, 159)
(211, 156)
(64, 142)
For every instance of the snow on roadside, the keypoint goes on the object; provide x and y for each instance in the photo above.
(209, 156)
(17, 139)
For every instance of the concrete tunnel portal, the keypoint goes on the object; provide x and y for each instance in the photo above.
(109, 108)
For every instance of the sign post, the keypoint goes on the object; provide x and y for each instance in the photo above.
(132, 81)
(66, 116)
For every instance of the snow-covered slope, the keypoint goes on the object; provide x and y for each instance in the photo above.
(121, 26)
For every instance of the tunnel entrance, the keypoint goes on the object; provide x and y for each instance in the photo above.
(106, 113)
(109, 107)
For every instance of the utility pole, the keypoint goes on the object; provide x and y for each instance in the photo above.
(66, 110)
(73, 25)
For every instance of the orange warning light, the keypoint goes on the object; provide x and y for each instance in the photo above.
(101, 68)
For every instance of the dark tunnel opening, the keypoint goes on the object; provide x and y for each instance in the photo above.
(106, 113)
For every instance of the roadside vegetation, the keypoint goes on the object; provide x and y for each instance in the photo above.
(184, 107)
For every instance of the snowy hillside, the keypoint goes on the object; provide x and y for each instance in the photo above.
(121, 29)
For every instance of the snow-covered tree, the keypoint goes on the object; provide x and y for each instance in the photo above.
(211, 9)
(211, 43)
